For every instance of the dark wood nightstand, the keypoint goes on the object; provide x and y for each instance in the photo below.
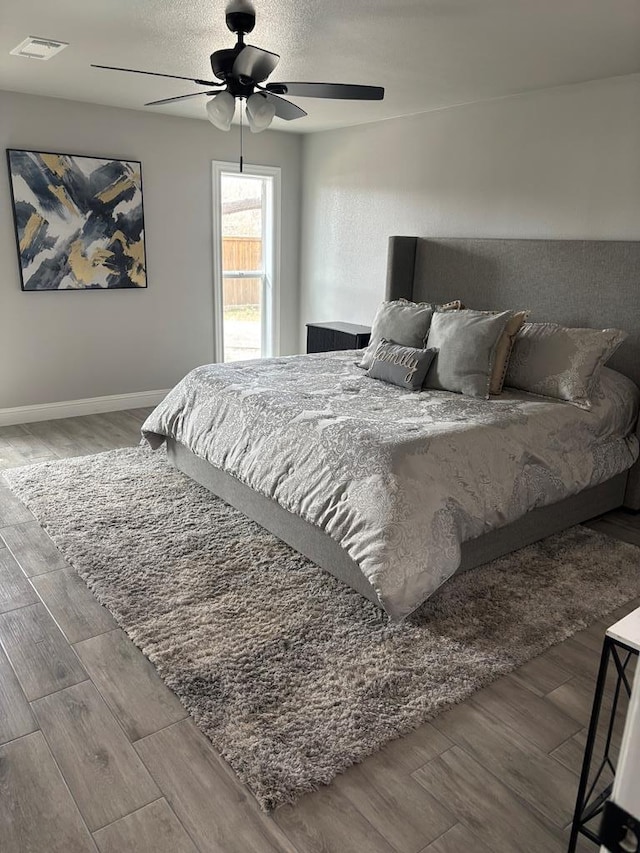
(325, 337)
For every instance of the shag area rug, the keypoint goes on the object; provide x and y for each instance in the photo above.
(292, 675)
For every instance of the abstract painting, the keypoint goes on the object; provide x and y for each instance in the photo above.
(79, 221)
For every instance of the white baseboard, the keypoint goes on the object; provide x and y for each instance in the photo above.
(73, 408)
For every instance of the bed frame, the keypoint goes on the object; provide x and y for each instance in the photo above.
(592, 283)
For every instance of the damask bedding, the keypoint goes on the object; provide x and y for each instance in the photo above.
(400, 480)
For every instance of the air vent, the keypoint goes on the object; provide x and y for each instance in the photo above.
(38, 48)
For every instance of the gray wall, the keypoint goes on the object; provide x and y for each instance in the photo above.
(558, 163)
(68, 346)
(561, 163)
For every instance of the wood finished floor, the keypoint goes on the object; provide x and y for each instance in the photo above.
(96, 754)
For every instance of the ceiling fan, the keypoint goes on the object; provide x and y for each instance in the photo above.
(240, 72)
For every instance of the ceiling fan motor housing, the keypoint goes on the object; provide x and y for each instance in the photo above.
(222, 67)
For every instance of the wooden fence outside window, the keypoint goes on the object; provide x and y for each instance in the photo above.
(241, 254)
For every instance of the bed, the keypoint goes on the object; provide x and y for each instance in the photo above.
(306, 447)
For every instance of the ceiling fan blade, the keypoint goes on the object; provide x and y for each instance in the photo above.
(158, 74)
(178, 98)
(284, 109)
(346, 91)
(254, 63)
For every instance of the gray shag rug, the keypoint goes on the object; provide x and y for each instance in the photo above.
(293, 676)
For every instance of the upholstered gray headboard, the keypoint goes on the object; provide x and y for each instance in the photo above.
(594, 283)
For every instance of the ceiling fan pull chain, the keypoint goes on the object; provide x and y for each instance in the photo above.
(241, 151)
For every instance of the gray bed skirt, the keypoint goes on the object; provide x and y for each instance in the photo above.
(326, 553)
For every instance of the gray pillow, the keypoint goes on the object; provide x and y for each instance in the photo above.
(405, 322)
(403, 366)
(558, 362)
(466, 342)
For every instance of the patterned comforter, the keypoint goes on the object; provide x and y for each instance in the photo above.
(398, 479)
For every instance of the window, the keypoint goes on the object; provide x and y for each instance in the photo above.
(246, 210)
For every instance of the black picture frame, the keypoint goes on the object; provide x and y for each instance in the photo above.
(85, 223)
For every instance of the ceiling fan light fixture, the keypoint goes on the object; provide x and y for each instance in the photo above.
(260, 112)
(220, 110)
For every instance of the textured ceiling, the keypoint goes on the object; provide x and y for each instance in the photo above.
(427, 53)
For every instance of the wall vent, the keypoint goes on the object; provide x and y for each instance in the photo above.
(38, 48)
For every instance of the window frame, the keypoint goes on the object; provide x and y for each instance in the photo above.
(271, 248)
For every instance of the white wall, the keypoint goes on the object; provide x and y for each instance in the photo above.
(68, 346)
(561, 163)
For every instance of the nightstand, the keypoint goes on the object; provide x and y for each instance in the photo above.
(325, 337)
